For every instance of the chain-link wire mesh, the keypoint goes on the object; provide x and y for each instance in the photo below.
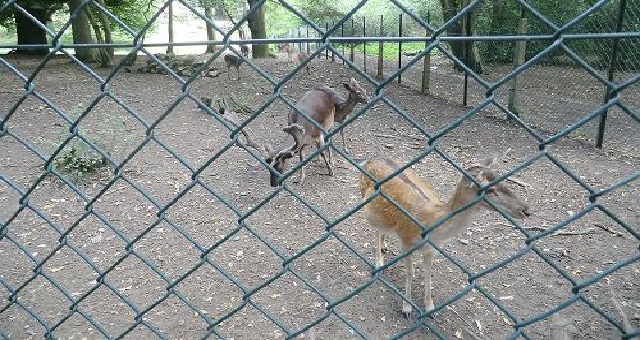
(126, 212)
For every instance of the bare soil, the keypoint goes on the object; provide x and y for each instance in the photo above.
(189, 233)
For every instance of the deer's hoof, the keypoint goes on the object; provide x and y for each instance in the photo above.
(406, 310)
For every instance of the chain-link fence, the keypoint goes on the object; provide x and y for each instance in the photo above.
(132, 207)
(574, 86)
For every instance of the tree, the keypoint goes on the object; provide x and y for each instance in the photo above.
(29, 31)
(211, 35)
(451, 8)
(102, 31)
(257, 26)
(81, 29)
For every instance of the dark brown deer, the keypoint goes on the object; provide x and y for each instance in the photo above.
(276, 158)
(232, 60)
(325, 106)
(344, 107)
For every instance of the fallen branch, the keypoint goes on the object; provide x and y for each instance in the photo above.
(608, 229)
(574, 233)
(518, 182)
(387, 136)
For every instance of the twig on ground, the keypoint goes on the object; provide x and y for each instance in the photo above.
(518, 182)
(388, 136)
(534, 228)
(573, 233)
(608, 229)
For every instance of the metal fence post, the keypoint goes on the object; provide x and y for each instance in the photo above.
(400, 47)
(326, 51)
(352, 44)
(342, 36)
(381, 49)
(610, 73)
(364, 43)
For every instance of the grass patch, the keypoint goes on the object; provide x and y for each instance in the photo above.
(390, 49)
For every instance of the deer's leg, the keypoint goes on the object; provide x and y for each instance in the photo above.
(229, 72)
(344, 141)
(426, 275)
(320, 145)
(379, 258)
(300, 153)
(408, 265)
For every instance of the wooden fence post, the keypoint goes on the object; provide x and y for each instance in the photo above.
(518, 59)
(426, 68)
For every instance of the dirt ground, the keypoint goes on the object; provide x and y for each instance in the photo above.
(165, 235)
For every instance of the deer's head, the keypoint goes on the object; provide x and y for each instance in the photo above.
(499, 194)
(278, 159)
(357, 91)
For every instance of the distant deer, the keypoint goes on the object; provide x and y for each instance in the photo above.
(301, 57)
(415, 195)
(232, 60)
(286, 47)
(325, 106)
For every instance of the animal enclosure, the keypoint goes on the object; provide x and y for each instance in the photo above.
(131, 208)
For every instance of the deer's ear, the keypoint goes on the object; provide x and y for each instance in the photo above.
(489, 162)
(347, 86)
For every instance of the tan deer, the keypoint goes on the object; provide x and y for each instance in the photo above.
(325, 106)
(415, 195)
(300, 58)
(286, 48)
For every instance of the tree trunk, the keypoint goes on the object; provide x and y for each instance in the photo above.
(105, 54)
(257, 26)
(211, 34)
(449, 9)
(170, 28)
(29, 33)
(81, 32)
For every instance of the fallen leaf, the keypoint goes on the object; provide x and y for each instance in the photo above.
(56, 269)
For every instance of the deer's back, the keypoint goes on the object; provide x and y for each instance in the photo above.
(406, 189)
(318, 105)
(232, 60)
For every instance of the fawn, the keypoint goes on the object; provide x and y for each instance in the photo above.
(232, 60)
(415, 195)
(325, 106)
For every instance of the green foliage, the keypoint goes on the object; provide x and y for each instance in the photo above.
(78, 162)
(390, 49)
(79, 159)
(133, 13)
